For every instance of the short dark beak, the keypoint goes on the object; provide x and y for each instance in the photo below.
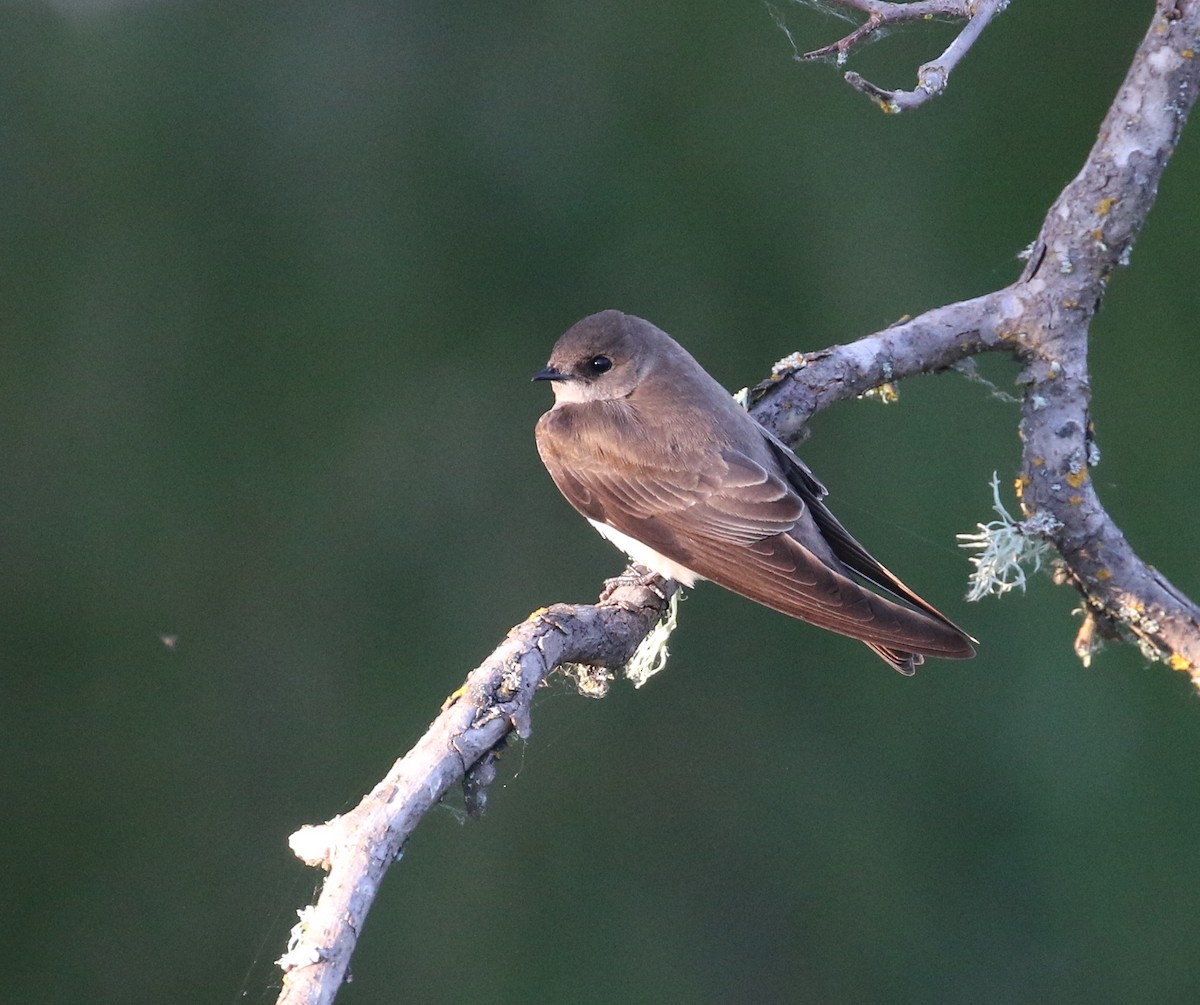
(551, 374)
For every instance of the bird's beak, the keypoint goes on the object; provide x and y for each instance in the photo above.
(551, 374)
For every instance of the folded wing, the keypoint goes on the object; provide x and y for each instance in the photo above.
(766, 534)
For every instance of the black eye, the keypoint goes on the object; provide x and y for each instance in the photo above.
(599, 365)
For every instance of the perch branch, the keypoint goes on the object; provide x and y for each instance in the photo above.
(1042, 320)
(932, 77)
(461, 745)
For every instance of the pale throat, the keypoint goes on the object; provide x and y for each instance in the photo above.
(643, 554)
(569, 392)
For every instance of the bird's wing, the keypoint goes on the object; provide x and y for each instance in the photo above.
(852, 554)
(731, 520)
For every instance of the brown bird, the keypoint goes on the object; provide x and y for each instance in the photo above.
(666, 465)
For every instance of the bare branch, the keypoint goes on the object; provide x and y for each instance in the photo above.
(932, 77)
(884, 15)
(803, 384)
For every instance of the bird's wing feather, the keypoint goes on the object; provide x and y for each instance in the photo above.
(847, 549)
(731, 520)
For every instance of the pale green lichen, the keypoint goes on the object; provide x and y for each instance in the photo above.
(651, 655)
(1150, 651)
(648, 658)
(591, 682)
(790, 362)
(1004, 546)
(300, 952)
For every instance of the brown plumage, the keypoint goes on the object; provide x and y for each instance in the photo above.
(659, 457)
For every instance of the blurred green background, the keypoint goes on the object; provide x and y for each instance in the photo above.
(274, 279)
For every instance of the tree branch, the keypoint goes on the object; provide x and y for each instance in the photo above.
(932, 77)
(1088, 233)
(1042, 320)
(461, 744)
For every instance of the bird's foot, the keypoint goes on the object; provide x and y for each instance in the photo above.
(635, 575)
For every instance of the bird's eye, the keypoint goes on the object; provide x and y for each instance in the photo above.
(599, 365)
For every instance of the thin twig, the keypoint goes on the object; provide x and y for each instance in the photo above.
(932, 77)
(882, 15)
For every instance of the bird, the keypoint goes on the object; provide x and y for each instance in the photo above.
(665, 464)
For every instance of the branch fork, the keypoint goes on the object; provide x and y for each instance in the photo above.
(932, 77)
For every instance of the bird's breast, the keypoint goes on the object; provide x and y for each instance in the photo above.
(643, 554)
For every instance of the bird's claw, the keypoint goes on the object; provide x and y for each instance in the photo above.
(634, 576)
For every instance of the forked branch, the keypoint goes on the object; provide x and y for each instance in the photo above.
(1043, 320)
(932, 77)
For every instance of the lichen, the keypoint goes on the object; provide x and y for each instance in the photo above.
(1005, 546)
(887, 393)
(651, 655)
(590, 681)
(790, 362)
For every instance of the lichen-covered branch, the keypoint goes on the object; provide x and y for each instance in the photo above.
(932, 77)
(1043, 320)
(460, 746)
(804, 383)
(1087, 234)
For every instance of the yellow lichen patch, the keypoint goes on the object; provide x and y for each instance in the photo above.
(1070, 305)
(537, 614)
(1038, 462)
(1177, 662)
(1097, 234)
(1187, 54)
(1075, 500)
(1104, 205)
(888, 393)
(1103, 574)
(1019, 485)
(1077, 478)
